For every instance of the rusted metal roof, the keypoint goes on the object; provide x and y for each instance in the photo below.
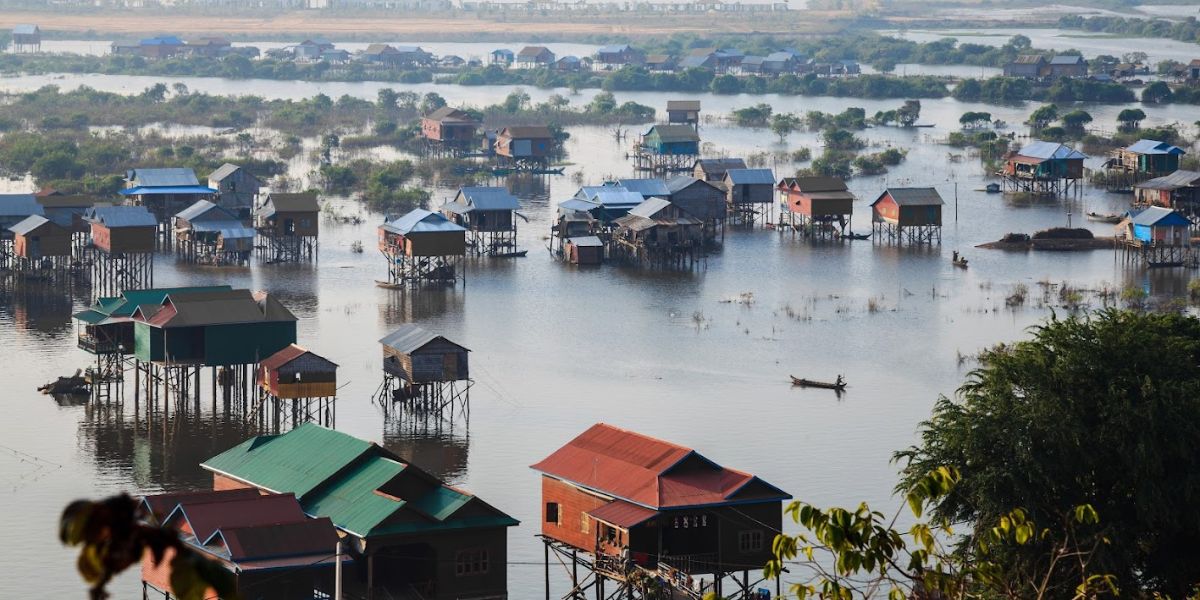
(649, 472)
(912, 196)
(623, 514)
(301, 538)
(289, 354)
(683, 105)
(536, 132)
(813, 184)
(409, 338)
(205, 518)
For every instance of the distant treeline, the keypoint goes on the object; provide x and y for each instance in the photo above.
(1187, 30)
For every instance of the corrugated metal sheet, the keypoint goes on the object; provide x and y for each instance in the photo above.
(688, 105)
(28, 224)
(299, 541)
(814, 184)
(718, 166)
(649, 208)
(488, 198)
(1178, 179)
(198, 209)
(289, 354)
(350, 500)
(289, 202)
(914, 196)
(114, 217)
(20, 205)
(646, 187)
(669, 134)
(587, 241)
(617, 198)
(146, 190)
(1153, 147)
(409, 338)
(623, 514)
(170, 177)
(1048, 150)
(639, 469)
(287, 463)
(223, 171)
(1157, 216)
(751, 176)
(159, 506)
(206, 518)
(420, 221)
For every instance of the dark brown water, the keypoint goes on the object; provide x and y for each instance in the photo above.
(557, 348)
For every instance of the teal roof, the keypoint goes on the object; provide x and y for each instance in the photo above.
(353, 482)
(297, 461)
(125, 304)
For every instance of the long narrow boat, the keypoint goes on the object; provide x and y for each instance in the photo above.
(1104, 218)
(839, 385)
(513, 254)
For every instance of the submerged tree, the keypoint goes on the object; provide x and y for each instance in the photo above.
(784, 123)
(1043, 116)
(1130, 119)
(908, 114)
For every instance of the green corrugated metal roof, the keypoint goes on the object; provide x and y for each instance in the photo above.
(442, 502)
(351, 502)
(90, 316)
(308, 461)
(296, 462)
(129, 300)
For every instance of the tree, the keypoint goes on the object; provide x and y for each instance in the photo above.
(908, 114)
(1076, 120)
(858, 553)
(1098, 409)
(516, 101)
(1130, 119)
(431, 102)
(1020, 42)
(1043, 116)
(112, 540)
(783, 124)
(1157, 93)
(602, 104)
(558, 101)
(386, 100)
(753, 116)
(156, 92)
(973, 119)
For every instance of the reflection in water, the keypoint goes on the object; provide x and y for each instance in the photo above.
(162, 452)
(434, 444)
(43, 309)
(409, 306)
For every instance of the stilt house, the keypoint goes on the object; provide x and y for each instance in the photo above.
(657, 233)
(237, 189)
(815, 205)
(713, 170)
(409, 533)
(684, 112)
(526, 143)
(1179, 190)
(208, 234)
(487, 213)
(122, 229)
(449, 126)
(223, 328)
(418, 356)
(749, 193)
(289, 225)
(37, 237)
(699, 199)
(295, 372)
(908, 215)
(1044, 168)
(271, 549)
(108, 326)
(1147, 157)
(633, 503)
(15, 208)
(585, 250)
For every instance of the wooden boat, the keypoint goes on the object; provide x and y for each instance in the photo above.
(857, 236)
(1103, 218)
(513, 254)
(839, 385)
(75, 385)
(993, 188)
(1164, 264)
(958, 260)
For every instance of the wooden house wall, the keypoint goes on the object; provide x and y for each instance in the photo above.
(47, 240)
(447, 132)
(765, 517)
(512, 147)
(444, 547)
(805, 205)
(436, 361)
(442, 243)
(702, 201)
(920, 215)
(573, 504)
(303, 223)
(123, 239)
(490, 220)
(683, 116)
(589, 255)
(751, 193)
(237, 192)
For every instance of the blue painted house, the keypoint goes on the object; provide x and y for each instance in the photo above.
(1158, 226)
(671, 140)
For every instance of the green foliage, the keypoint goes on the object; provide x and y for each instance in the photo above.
(908, 114)
(1043, 116)
(1184, 30)
(1076, 120)
(974, 119)
(753, 116)
(784, 123)
(842, 140)
(1096, 410)
(111, 540)
(1130, 118)
(1157, 92)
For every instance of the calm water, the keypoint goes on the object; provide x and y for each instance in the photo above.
(557, 348)
(1089, 44)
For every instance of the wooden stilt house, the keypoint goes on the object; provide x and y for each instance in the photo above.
(36, 238)
(449, 128)
(206, 233)
(1044, 168)
(1157, 237)
(585, 250)
(237, 189)
(410, 534)
(670, 148)
(636, 506)
(296, 386)
(164, 192)
(1179, 191)
(908, 215)
(749, 195)
(288, 226)
(488, 215)
(525, 146)
(815, 206)
(684, 112)
(422, 247)
(122, 256)
(657, 233)
(419, 358)
(702, 200)
(713, 170)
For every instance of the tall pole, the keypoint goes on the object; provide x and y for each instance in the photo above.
(337, 573)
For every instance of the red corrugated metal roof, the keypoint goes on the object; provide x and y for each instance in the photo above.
(623, 514)
(299, 539)
(283, 357)
(205, 518)
(645, 470)
(161, 505)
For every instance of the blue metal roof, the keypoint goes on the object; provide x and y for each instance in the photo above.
(175, 176)
(1048, 150)
(1154, 147)
(162, 40)
(230, 230)
(577, 204)
(20, 205)
(649, 208)
(1157, 216)
(646, 187)
(421, 221)
(122, 216)
(489, 198)
(28, 224)
(614, 197)
(1066, 59)
(24, 29)
(750, 176)
(142, 190)
(200, 208)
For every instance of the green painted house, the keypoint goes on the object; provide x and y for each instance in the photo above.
(108, 328)
(672, 140)
(214, 328)
(407, 529)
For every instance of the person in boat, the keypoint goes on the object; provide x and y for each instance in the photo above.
(955, 259)
(840, 381)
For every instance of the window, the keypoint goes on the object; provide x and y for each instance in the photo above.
(750, 541)
(583, 522)
(471, 562)
(552, 515)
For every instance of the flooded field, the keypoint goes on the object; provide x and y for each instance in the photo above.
(1089, 44)
(701, 358)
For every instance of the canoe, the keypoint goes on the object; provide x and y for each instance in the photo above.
(797, 381)
(960, 263)
(857, 236)
(515, 254)
(1104, 218)
(1165, 264)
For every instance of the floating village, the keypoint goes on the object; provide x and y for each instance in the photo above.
(300, 509)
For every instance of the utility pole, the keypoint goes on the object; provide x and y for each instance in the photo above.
(337, 573)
